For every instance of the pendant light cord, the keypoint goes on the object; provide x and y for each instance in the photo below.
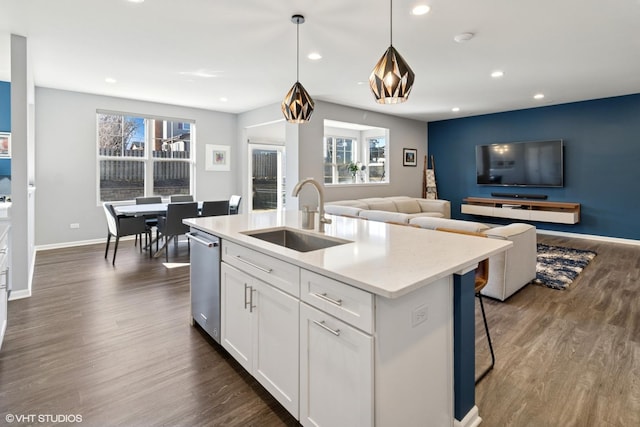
(298, 50)
(391, 22)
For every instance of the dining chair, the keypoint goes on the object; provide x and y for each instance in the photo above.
(481, 280)
(150, 220)
(120, 226)
(171, 226)
(215, 208)
(181, 198)
(234, 204)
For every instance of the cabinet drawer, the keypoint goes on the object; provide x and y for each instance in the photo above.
(278, 273)
(345, 302)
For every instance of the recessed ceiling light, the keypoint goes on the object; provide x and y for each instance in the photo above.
(135, 1)
(314, 56)
(223, 99)
(464, 37)
(362, 83)
(455, 109)
(497, 74)
(538, 96)
(421, 9)
(110, 80)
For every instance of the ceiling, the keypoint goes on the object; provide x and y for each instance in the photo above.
(197, 52)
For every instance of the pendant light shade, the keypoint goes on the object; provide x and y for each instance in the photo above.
(297, 105)
(391, 79)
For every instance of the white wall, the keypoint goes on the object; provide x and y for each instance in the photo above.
(66, 168)
(403, 133)
(305, 155)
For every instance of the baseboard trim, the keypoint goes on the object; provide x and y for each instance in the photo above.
(22, 293)
(472, 419)
(78, 243)
(590, 237)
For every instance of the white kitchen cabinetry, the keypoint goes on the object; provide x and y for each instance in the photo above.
(4, 279)
(367, 360)
(336, 371)
(260, 325)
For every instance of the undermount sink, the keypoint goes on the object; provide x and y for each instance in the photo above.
(295, 239)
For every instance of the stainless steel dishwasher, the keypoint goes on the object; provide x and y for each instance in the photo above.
(205, 281)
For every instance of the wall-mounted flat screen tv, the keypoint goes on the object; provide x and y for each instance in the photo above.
(521, 164)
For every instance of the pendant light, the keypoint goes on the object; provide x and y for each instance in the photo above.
(391, 79)
(297, 105)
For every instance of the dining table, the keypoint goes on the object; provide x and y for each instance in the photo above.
(148, 209)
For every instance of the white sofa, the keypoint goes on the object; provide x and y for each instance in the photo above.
(390, 209)
(508, 271)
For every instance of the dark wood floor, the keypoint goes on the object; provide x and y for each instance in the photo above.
(115, 346)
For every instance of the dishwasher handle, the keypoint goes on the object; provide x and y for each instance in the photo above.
(206, 243)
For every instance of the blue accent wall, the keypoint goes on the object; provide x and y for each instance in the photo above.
(601, 160)
(5, 107)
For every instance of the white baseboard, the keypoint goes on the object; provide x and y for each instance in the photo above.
(589, 237)
(79, 243)
(23, 293)
(472, 419)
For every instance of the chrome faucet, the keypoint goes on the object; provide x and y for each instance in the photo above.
(320, 191)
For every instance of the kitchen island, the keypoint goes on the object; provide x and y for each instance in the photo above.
(376, 330)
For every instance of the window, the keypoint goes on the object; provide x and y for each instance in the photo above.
(143, 156)
(377, 148)
(339, 153)
(355, 154)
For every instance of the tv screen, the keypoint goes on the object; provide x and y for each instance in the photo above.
(520, 164)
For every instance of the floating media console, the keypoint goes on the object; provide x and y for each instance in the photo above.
(528, 210)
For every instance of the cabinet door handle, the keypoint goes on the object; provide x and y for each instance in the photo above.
(335, 332)
(328, 299)
(249, 302)
(266, 270)
(3, 251)
(246, 301)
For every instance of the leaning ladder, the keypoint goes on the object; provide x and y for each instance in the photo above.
(429, 188)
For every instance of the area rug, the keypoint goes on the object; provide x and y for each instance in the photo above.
(558, 266)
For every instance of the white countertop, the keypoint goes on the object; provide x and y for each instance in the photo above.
(384, 259)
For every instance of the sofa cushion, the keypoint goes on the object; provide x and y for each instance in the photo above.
(433, 223)
(408, 205)
(353, 203)
(384, 216)
(421, 214)
(342, 210)
(435, 205)
(383, 205)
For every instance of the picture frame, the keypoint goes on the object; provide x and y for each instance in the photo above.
(217, 158)
(5, 144)
(409, 157)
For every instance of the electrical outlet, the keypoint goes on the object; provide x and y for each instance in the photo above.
(74, 225)
(419, 315)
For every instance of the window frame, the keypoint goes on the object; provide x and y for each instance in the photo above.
(147, 157)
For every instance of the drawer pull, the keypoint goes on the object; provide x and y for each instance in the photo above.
(324, 296)
(335, 332)
(3, 251)
(266, 270)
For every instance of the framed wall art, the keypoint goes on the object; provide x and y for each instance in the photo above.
(217, 158)
(409, 157)
(5, 144)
